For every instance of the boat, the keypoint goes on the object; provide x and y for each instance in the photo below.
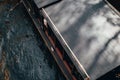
(68, 63)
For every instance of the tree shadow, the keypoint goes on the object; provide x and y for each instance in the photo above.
(97, 57)
(73, 30)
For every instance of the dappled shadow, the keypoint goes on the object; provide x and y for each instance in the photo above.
(97, 57)
(74, 28)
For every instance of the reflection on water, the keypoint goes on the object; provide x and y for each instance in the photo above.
(23, 56)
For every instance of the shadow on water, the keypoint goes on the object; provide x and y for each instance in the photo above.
(97, 57)
(74, 28)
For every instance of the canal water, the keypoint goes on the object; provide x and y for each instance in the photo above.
(23, 55)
